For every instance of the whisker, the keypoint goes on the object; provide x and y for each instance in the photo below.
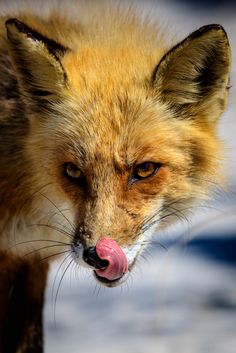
(199, 227)
(143, 256)
(27, 201)
(213, 182)
(60, 230)
(148, 220)
(42, 248)
(58, 270)
(53, 255)
(154, 242)
(59, 285)
(38, 240)
(53, 203)
(52, 215)
(160, 219)
(179, 212)
(149, 225)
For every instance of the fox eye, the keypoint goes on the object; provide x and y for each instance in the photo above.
(145, 170)
(73, 172)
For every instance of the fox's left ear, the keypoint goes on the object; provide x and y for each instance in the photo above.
(193, 76)
(37, 61)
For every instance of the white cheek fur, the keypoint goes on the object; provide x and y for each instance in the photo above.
(143, 240)
(134, 250)
(39, 233)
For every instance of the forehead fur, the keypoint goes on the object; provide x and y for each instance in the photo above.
(127, 129)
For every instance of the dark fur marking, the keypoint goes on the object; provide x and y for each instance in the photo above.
(208, 75)
(52, 46)
(23, 328)
(16, 312)
(40, 93)
(8, 86)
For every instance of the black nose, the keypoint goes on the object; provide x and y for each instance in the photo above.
(91, 258)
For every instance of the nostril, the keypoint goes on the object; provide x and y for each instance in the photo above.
(91, 257)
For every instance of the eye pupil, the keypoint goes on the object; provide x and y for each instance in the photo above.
(146, 170)
(72, 171)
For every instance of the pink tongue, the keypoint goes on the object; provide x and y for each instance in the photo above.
(108, 249)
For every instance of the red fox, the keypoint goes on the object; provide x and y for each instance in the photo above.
(106, 134)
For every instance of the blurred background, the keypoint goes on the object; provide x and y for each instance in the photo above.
(182, 299)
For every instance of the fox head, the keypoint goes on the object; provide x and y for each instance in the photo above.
(122, 132)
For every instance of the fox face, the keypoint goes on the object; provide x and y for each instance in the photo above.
(122, 140)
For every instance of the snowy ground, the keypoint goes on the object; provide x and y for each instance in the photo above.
(178, 302)
(183, 300)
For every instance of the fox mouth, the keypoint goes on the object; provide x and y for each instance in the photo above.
(107, 260)
(110, 283)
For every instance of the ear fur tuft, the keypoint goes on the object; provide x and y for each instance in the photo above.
(196, 70)
(36, 59)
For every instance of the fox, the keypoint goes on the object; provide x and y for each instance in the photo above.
(107, 134)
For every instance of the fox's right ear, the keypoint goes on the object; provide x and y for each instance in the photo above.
(36, 59)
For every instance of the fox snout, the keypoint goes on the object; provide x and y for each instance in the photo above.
(107, 259)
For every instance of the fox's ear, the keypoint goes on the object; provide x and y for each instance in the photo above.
(36, 59)
(194, 74)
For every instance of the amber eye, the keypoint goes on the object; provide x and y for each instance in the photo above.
(145, 170)
(73, 172)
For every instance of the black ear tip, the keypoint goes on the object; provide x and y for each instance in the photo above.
(207, 29)
(10, 21)
(14, 25)
(212, 26)
(13, 21)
